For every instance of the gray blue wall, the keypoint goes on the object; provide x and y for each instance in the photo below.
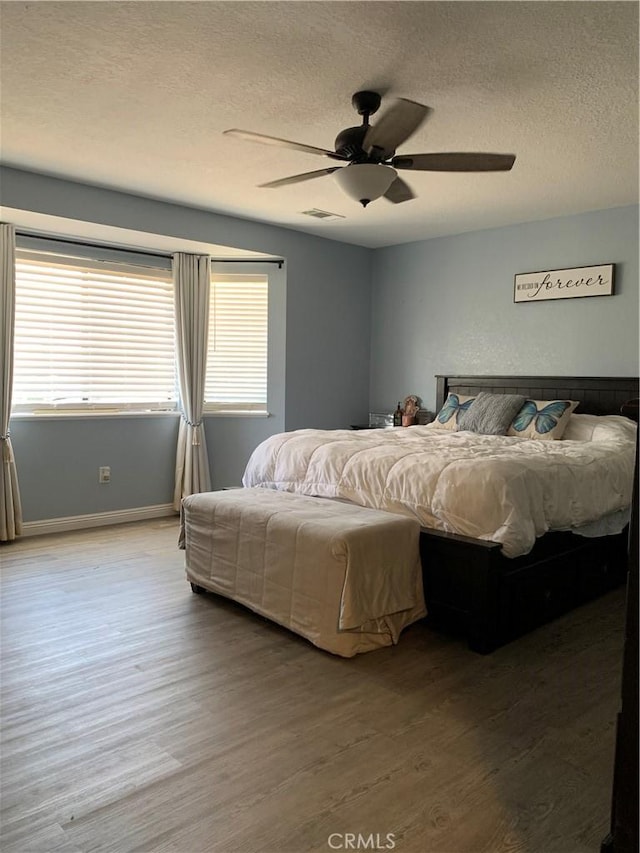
(446, 306)
(58, 462)
(322, 358)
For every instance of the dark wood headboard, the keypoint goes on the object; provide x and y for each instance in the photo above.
(598, 395)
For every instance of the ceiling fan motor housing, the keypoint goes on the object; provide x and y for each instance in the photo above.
(349, 142)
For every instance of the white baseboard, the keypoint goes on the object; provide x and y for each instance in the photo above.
(95, 519)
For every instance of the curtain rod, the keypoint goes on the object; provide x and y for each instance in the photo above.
(278, 261)
(71, 242)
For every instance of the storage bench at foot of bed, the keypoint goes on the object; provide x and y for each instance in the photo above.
(470, 586)
(344, 577)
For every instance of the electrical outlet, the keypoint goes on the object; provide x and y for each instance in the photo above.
(104, 474)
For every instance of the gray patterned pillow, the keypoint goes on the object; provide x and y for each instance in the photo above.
(491, 414)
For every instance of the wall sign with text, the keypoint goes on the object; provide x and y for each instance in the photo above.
(564, 284)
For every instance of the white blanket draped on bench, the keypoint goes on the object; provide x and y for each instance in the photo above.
(345, 577)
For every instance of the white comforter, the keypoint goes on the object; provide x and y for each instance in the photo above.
(503, 489)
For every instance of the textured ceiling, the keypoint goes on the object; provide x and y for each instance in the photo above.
(135, 96)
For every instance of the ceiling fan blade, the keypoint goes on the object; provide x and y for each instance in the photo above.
(297, 179)
(282, 143)
(397, 124)
(455, 162)
(399, 191)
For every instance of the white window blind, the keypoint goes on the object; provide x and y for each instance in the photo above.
(92, 335)
(237, 344)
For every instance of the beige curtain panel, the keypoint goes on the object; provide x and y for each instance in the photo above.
(191, 278)
(10, 508)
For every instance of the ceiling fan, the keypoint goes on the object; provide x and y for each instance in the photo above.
(369, 152)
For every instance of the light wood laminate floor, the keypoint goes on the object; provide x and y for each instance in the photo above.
(140, 717)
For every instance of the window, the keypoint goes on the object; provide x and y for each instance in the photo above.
(92, 335)
(96, 333)
(237, 346)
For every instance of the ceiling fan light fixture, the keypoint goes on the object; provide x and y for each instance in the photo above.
(365, 182)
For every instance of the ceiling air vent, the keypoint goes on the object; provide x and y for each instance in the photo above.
(321, 214)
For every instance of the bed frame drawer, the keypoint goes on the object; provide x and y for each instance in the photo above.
(470, 586)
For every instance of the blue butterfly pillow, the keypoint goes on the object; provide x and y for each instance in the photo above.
(454, 406)
(545, 420)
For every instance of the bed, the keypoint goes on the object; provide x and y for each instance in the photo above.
(528, 564)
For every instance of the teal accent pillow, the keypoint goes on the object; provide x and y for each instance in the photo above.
(543, 420)
(447, 417)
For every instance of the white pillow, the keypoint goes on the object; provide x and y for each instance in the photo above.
(599, 428)
(614, 427)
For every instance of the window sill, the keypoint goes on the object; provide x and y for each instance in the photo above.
(236, 414)
(89, 415)
(123, 413)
